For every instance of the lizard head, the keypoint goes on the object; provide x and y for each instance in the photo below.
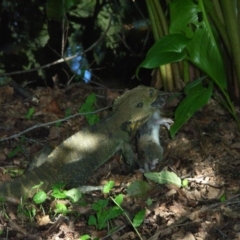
(136, 106)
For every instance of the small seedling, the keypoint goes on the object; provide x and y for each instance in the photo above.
(17, 149)
(30, 113)
(184, 182)
(223, 198)
(103, 214)
(88, 106)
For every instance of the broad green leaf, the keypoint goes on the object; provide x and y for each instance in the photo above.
(193, 84)
(174, 43)
(197, 97)
(104, 216)
(74, 194)
(164, 177)
(139, 217)
(113, 213)
(100, 204)
(57, 191)
(190, 17)
(40, 197)
(161, 59)
(182, 13)
(138, 188)
(168, 49)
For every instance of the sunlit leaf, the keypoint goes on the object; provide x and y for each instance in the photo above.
(164, 177)
(40, 197)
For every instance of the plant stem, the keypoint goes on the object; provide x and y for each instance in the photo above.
(214, 14)
(230, 16)
(124, 212)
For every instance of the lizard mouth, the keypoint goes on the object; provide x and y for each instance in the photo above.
(159, 102)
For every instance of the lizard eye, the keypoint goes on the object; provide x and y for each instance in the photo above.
(139, 105)
(151, 91)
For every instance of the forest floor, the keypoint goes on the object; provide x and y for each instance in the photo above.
(206, 152)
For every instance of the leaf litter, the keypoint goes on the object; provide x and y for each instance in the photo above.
(205, 152)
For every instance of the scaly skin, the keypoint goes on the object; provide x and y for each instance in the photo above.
(76, 159)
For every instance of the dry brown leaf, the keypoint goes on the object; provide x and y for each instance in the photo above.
(5, 94)
(53, 107)
(43, 220)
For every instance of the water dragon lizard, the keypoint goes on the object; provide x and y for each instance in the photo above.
(76, 159)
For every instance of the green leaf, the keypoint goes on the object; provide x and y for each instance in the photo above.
(3, 199)
(139, 217)
(170, 48)
(193, 84)
(184, 182)
(119, 199)
(88, 106)
(58, 192)
(92, 221)
(14, 152)
(108, 186)
(107, 215)
(85, 237)
(197, 97)
(223, 198)
(138, 188)
(113, 213)
(74, 194)
(40, 197)
(164, 177)
(91, 99)
(100, 204)
(190, 17)
(149, 202)
(30, 113)
(92, 119)
(60, 208)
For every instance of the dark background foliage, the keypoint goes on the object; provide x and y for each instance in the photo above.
(33, 36)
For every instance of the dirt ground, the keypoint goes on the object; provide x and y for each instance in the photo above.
(206, 152)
